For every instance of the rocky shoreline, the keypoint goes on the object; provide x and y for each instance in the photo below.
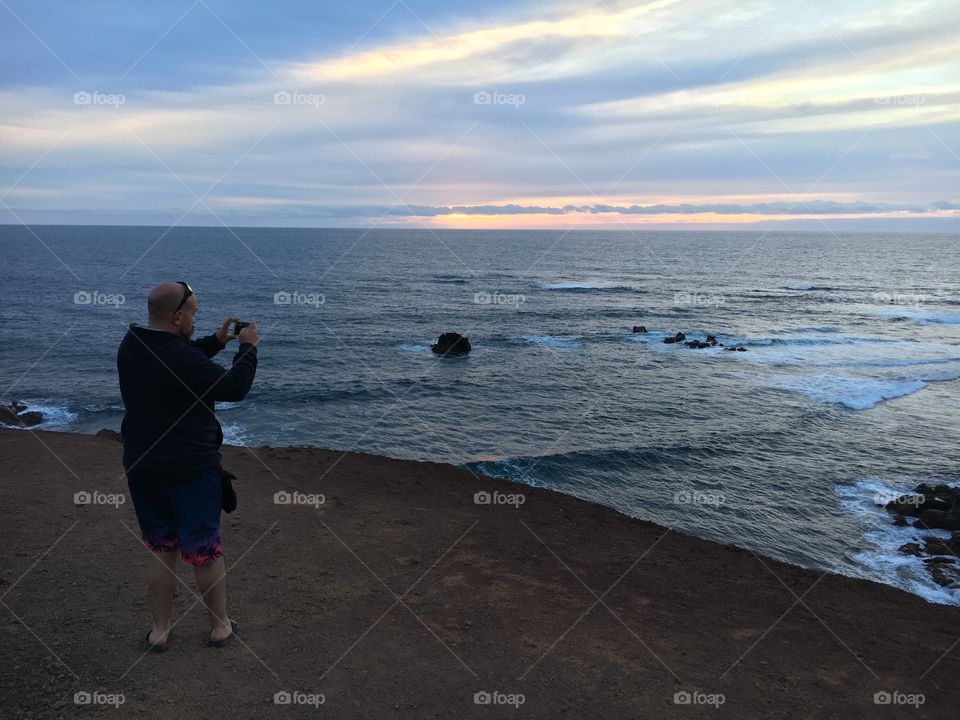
(932, 507)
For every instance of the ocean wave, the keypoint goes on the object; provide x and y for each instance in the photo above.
(855, 393)
(413, 347)
(551, 341)
(882, 561)
(941, 376)
(450, 279)
(649, 336)
(895, 363)
(528, 469)
(769, 341)
(799, 287)
(55, 417)
(922, 316)
(235, 434)
(790, 331)
(589, 287)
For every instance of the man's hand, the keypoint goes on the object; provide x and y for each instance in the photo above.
(250, 335)
(225, 333)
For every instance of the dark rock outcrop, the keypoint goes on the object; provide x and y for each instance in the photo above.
(451, 343)
(112, 434)
(675, 338)
(14, 414)
(932, 508)
(640, 328)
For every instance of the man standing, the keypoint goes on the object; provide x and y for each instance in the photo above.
(171, 448)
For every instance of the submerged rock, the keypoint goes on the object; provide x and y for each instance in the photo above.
(640, 328)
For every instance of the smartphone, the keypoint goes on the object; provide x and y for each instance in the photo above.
(239, 325)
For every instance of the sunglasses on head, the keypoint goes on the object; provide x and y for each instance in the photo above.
(187, 292)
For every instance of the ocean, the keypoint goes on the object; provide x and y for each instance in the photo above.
(846, 393)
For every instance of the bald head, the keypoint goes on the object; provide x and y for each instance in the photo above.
(162, 306)
(163, 300)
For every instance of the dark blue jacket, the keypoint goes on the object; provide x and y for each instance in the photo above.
(169, 387)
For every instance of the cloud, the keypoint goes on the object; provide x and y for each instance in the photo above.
(627, 107)
(797, 207)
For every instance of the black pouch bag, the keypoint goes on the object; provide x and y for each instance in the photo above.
(229, 503)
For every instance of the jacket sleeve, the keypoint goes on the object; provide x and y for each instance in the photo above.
(209, 345)
(211, 381)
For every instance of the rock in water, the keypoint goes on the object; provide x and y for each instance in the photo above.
(640, 328)
(8, 415)
(14, 415)
(30, 418)
(451, 343)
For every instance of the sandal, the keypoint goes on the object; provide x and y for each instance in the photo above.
(156, 647)
(228, 639)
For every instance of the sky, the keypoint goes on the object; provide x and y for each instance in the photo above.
(666, 114)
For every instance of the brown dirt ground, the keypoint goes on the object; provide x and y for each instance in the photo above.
(400, 597)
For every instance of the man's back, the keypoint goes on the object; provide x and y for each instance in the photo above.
(169, 387)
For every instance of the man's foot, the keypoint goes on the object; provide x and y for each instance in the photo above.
(156, 641)
(222, 635)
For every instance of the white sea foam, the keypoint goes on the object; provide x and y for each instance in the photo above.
(55, 417)
(826, 351)
(880, 559)
(234, 434)
(920, 315)
(856, 393)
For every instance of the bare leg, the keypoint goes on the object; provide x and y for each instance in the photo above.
(212, 581)
(162, 580)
